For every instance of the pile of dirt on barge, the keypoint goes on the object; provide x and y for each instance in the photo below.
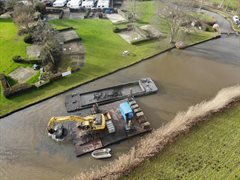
(124, 119)
(78, 101)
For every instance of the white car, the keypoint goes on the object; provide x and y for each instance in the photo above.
(74, 4)
(103, 4)
(88, 4)
(235, 19)
(59, 3)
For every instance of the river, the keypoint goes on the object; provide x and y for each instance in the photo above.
(184, 78)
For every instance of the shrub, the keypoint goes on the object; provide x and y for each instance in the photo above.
(116, 30)
(5, 84)
(41, 7)
(50, 76)
(119, 29)
(2, 7)
(28, 39)
(54, 77)
(18, 59)
(18, 88)
(209, 29)
(75, 69)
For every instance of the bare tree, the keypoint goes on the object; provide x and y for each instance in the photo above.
(44, 34)
(10, 4)
(175, 13)
(222, 4)
(130, 6)
(23, 16)
(2, 7)
(51, 52)
(201, 4)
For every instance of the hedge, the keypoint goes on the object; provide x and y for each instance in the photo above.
(19, 59)
(118, 30)
(18, 88)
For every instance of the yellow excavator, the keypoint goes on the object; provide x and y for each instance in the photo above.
(93, 122)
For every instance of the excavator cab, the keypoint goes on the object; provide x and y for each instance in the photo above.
(98, 120)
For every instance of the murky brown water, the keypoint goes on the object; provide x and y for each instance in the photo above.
(184, 78)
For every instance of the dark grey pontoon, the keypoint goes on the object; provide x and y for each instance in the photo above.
(138, 88)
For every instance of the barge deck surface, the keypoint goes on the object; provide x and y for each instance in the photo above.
(91, 142)
(78, 101)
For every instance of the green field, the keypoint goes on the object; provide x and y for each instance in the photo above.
(210, 151)
(10, 45)
(103, 55)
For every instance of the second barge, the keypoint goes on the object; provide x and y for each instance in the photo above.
(78, 101)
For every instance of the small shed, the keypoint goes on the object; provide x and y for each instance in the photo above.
(126, 110)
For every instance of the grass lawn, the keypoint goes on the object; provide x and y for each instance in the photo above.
(232, 4)
(103, 55)
(203, 17)
(146, 11)
(209, 151)
(10, 45)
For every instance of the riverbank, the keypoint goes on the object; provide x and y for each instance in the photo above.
(209, 151)
(180, 125)
(103, 57)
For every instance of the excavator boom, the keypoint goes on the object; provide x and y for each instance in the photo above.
(93, 122)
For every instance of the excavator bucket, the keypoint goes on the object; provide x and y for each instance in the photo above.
(58, 134)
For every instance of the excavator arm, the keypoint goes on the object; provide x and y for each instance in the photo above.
(94, 122)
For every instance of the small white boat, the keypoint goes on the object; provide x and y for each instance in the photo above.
(102, 153)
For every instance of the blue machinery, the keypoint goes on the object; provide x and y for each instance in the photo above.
(127, 114)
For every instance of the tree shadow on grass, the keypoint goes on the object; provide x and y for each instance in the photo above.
(6, 20)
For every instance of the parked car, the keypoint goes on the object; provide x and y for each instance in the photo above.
(101, 4)
(88, 4)
(235, 19)
(108, 10)
(24, 2)
(48, 2)
(74, 4)
(59, 3)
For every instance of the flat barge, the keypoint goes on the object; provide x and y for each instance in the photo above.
(115, 130)
(78, 101)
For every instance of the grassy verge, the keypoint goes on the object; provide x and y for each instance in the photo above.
(10, 45)
(103, 55)
(232, 4)
(210, 151)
